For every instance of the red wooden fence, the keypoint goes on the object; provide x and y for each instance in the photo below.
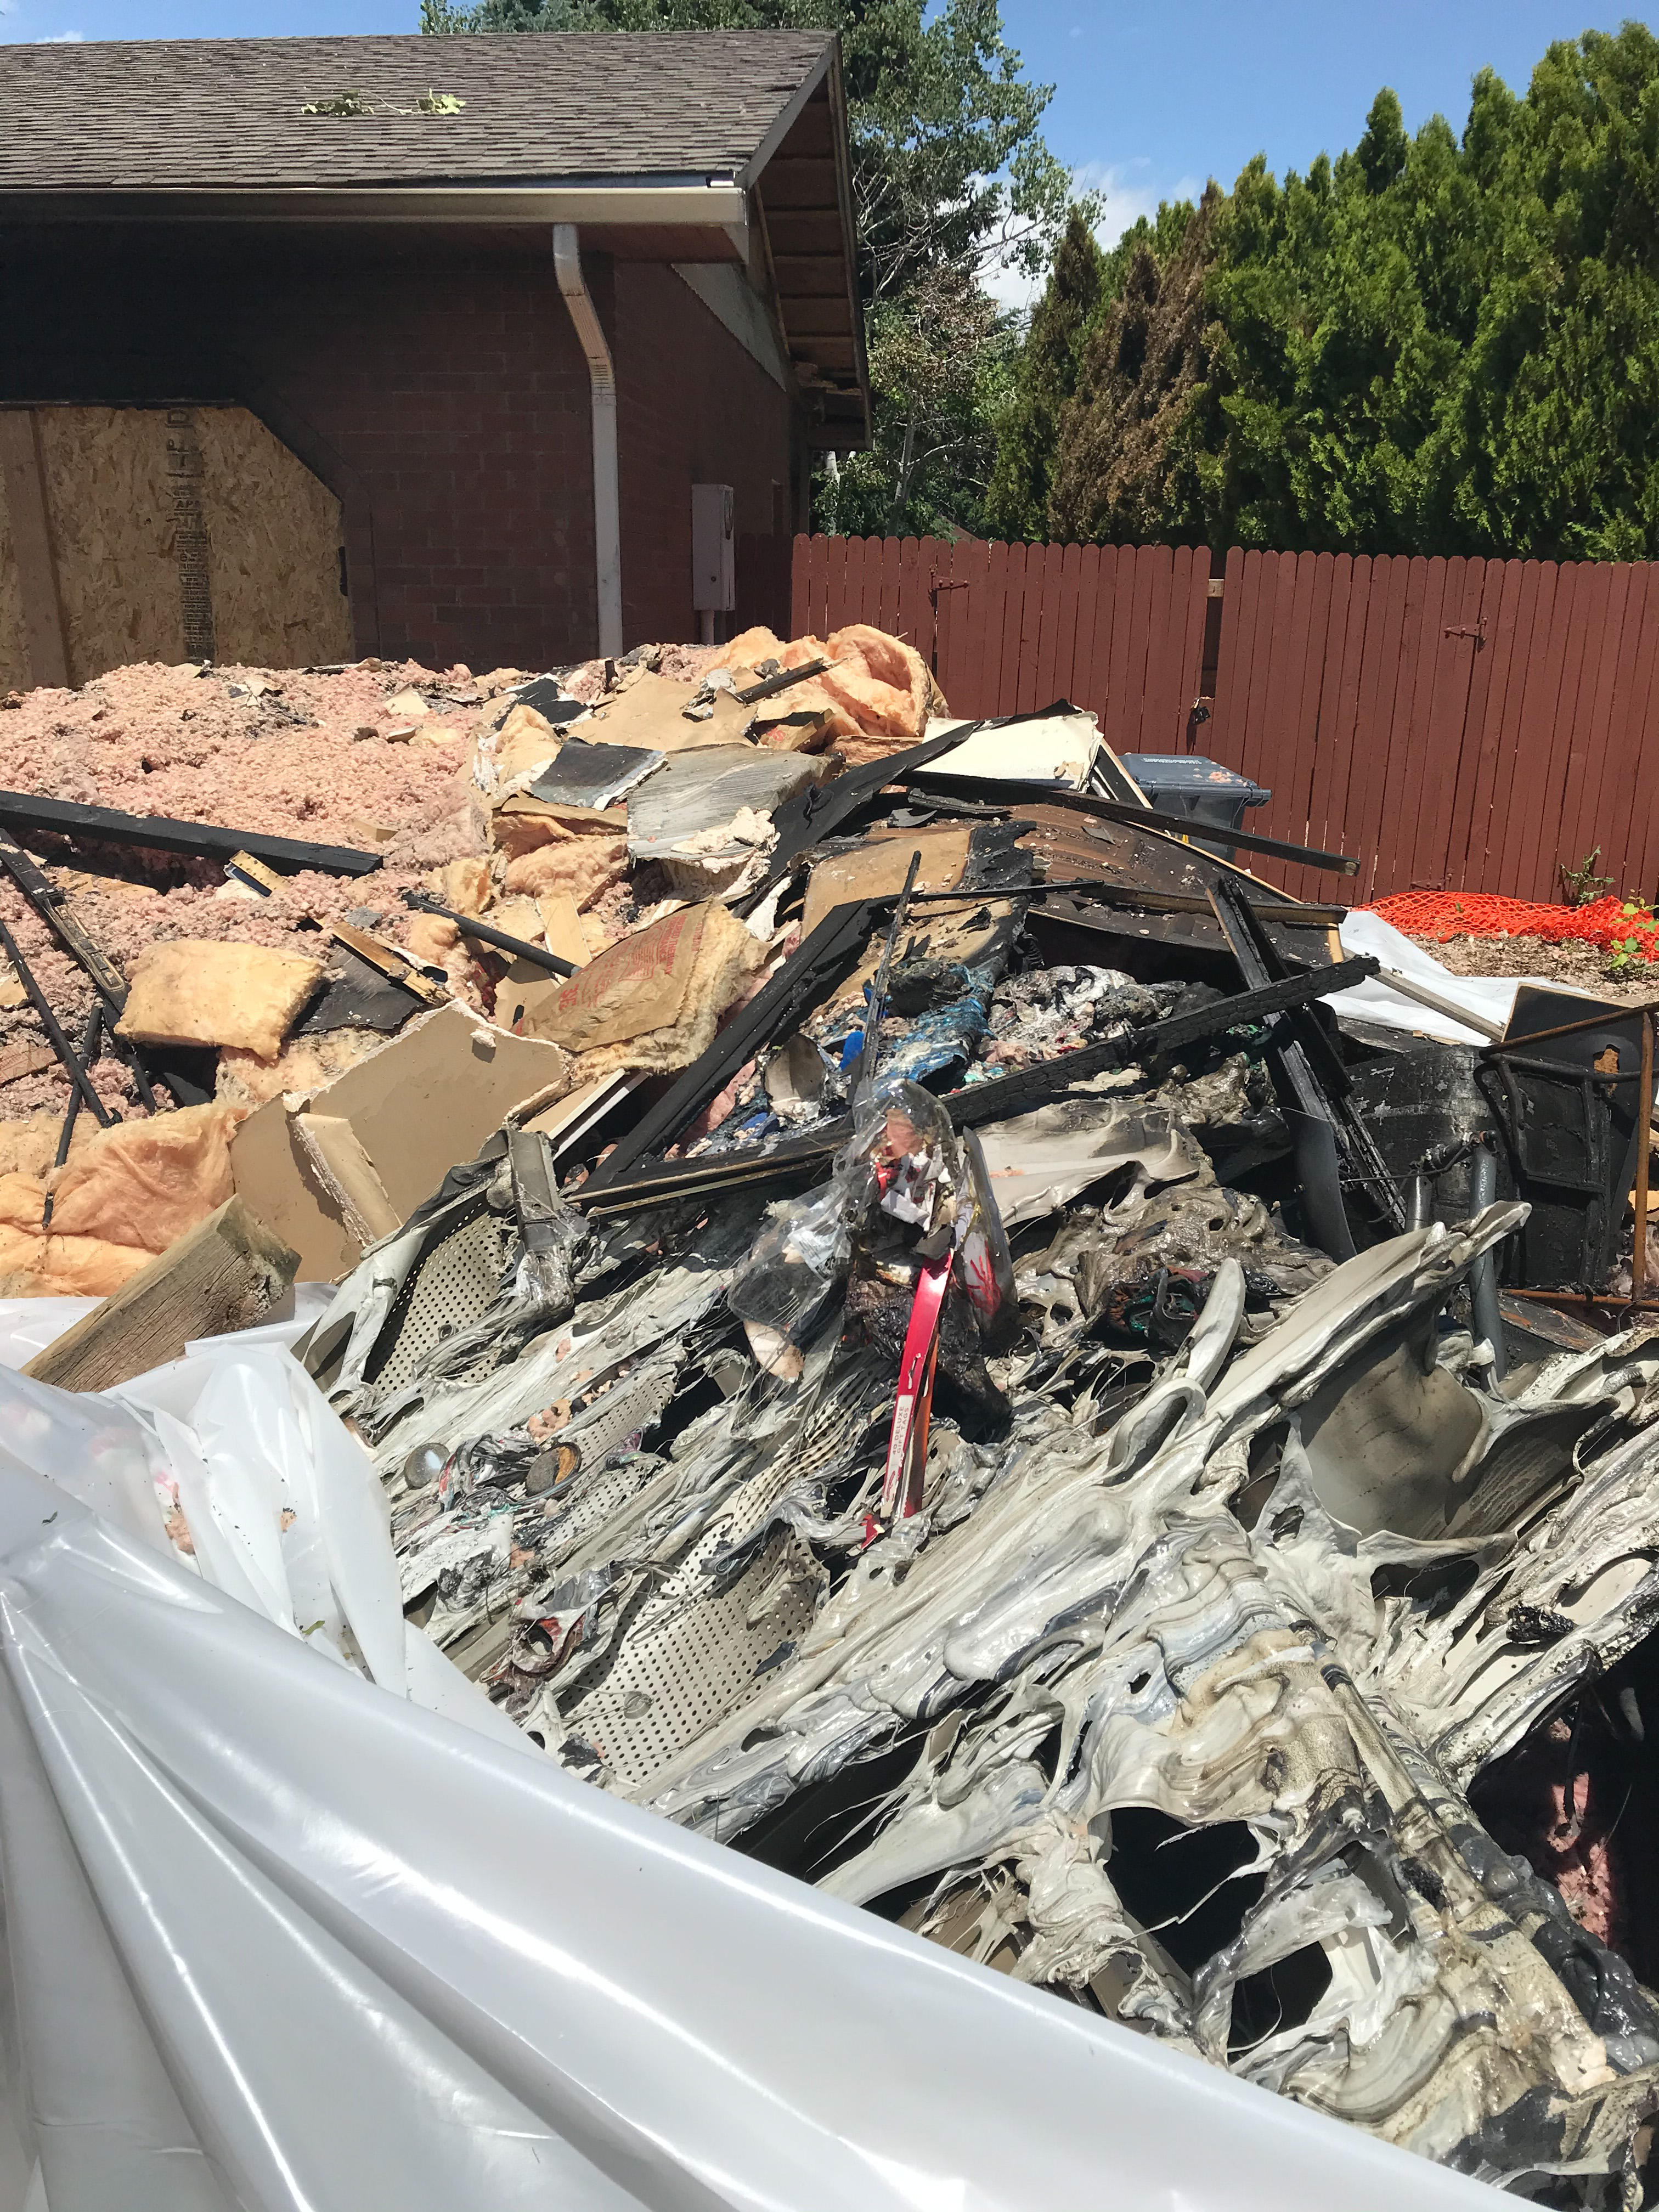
(1460, 724)
(1008, 628)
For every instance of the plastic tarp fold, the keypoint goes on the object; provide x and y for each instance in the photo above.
(1492, 997)
(280, 1938)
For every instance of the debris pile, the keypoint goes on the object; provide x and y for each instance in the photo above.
(922, 1324)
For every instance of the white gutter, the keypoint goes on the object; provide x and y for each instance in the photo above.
(720, 205)
(602, 380)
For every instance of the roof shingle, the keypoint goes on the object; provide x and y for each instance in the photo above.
(141, 115)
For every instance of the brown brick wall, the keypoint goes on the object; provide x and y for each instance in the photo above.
(434, 381)
(693, 407)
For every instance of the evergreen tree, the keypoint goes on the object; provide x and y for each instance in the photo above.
(1017, 506)
(1430, 345)
(1142, 374)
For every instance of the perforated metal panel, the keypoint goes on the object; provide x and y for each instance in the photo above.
(691, 1656)
(588, 1513)
(626, 1408)
(451, 1288)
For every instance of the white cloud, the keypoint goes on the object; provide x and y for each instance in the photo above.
(1126, 193)
(63, 39)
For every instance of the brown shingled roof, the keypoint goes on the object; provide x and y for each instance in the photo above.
(137, 115)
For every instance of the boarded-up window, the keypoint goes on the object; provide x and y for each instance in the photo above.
(140, 533)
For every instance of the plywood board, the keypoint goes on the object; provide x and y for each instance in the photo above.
(14, 650)
(273, 535)
(105, 470)
(178, 533)
(34, 578)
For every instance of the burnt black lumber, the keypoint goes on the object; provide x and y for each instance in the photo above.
(62, 818)
(1334, 1147)
(68, 1058)
(816, 965)
(44, 895)
(785, 680)
(470, 926)
(904, 770)
(613, 1190)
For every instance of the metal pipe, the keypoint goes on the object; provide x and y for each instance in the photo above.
(1483, 1275)
(66, 1135)
(470, 926)
(68, 1058)
(1608, 1018)
(602, 381)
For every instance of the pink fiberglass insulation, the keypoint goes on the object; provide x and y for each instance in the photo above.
(288, 752)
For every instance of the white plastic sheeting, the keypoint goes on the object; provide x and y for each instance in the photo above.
(30, 1325)
(1491, 996)
(280, 1938)
(282, 1507)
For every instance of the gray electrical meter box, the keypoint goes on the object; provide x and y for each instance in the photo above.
(714, 563)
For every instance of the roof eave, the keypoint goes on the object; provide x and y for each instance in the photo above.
(712, 204)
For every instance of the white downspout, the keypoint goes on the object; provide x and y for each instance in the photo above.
(602, 378)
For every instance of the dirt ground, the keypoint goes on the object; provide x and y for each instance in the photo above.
(1582, 966)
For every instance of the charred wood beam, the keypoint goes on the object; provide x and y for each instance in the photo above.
(62, 818)
(613, 1190)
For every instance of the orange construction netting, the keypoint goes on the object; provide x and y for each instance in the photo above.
(1606, 922)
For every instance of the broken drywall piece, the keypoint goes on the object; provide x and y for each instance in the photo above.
(414, 1108)
(689, 808)
(194, 992)
(336, 1155)
(1059, 749)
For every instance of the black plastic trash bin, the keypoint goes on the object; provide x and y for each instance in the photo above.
(1200, 789)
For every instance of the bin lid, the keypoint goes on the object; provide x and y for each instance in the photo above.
(1191, 772)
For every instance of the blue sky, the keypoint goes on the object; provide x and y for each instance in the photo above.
(1153, 95)
(1150, 98)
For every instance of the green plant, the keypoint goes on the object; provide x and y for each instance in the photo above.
(350, 102)
(1642, 943)
(1435, 342)
(1582, 886)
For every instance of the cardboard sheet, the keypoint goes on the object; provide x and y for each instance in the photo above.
(650, 712)
(877, 868)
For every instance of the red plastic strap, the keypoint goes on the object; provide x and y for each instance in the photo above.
(911, 1407)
